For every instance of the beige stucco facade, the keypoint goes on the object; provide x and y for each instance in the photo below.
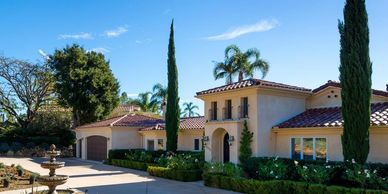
(134, 138)
(186, 139)
(270, 106)
(378, 142)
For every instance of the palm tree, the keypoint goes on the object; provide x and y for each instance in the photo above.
(224, 70)
(243, 64)
(159, 95)
(144, 102)
(188, 110)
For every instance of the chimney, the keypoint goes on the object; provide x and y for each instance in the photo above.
(164, 109)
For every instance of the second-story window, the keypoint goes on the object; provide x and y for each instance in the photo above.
(228, 109)
(213, 111)
(244, 107)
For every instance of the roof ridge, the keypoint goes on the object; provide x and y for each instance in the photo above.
(114, 122)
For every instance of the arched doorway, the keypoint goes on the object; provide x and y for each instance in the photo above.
(96, 148)
(220, 150)
(226, 148)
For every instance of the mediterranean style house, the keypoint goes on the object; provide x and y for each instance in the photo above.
(134, 131)
(287, 121)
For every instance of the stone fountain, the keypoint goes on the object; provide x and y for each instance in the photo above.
(52, 180)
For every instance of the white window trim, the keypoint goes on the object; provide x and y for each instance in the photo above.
(314, 147)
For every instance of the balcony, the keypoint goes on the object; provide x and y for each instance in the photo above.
(243, 111)
(212, 115)
(227, 113)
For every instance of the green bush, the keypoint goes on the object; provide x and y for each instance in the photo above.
(2, 165)
(227, 169)
(118, 153)
(181, 162)
(348, 174)
(131, 164)
(249, 186)
(180, 175)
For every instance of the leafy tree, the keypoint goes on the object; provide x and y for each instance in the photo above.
(225, 70)
(144, 102)
(189, 110)
(159, 95)
(172, 113)
(242, 61)
(245, 144)
(85, 83)
(24, 88)
(355, 77)
(124, 98)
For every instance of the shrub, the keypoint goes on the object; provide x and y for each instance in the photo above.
(181, 161)
(277, 186)
(19, 170)
(314, 173)
(131, 164)
(180, 175)
(360, 176)
(6, 180)
(2, 165)
(4, 147)
(16, 146)
(226, 169)
(273, 169)
(118, 153)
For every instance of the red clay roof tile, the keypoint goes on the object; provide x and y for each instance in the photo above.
(331, 117)
(251, 83)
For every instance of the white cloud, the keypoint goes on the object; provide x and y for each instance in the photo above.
(100, 50)
(82, 35)
(43, 54)
(116, 32)
(261, 26)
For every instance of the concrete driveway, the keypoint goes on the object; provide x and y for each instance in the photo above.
(98, 178)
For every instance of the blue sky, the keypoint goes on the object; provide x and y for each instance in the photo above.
(299, 38)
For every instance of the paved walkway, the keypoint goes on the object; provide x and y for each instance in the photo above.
(98, 178)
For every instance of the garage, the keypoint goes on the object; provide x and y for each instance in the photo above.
(96, 148)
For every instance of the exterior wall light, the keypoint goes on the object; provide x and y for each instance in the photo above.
(206, 138)
(231, 139)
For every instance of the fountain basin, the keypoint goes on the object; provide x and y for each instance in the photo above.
(52, 180)
(52, 165)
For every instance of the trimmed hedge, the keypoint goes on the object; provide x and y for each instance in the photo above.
(180, 175)
(243, 185)
(131, 164)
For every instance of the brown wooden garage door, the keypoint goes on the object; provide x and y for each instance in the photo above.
(96, 148)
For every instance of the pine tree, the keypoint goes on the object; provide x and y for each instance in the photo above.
(245, 144)
(355, 77)
(172, 112)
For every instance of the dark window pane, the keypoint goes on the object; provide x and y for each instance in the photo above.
(295, 148)
(196, 144)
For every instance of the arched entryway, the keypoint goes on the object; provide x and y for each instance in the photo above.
(96, 148)
(220, 148)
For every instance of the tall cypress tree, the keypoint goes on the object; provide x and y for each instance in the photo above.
(172, 112)
(355, 77)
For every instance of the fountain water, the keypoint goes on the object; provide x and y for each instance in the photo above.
(52, 180)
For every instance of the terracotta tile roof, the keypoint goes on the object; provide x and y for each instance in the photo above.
(331, 117)
(338, 85)
(130, 120)
(186, 123)
(193, 123)
(252, 83)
